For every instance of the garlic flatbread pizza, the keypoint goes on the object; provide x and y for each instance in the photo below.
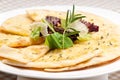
(60, 41)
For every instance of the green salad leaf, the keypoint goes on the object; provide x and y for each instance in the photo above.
(55, 40)
(35, 34)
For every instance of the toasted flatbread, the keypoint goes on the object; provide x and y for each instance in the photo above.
(17, 25)
(23, 55)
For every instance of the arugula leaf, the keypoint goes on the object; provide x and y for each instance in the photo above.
(35, 34)
(55, 41)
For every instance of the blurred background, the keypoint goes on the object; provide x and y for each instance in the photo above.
(6, 5)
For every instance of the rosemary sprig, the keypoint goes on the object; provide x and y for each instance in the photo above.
(71, 17)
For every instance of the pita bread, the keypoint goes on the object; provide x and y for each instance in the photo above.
(17, 25)
(25, 54)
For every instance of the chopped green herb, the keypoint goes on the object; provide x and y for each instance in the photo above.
(110, 43)
(101, 37)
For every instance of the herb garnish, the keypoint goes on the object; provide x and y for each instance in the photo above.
(56, 39)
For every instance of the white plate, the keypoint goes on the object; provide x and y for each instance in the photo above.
(113, 16)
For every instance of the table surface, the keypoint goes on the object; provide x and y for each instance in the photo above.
(6, 5)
